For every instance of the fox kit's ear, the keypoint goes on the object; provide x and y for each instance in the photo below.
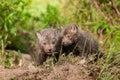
(57, 31)
(39, 35)
(62, 29)
(74, 28)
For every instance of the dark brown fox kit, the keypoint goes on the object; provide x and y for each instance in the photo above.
(48, 42)
(77, 41)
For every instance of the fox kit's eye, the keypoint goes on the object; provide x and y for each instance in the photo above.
(67, 36)
(53, 42)
(44, 43)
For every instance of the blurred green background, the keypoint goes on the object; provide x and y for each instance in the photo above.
(20, 19)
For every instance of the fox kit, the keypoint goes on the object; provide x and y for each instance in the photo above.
(48, 42)
(78, 41)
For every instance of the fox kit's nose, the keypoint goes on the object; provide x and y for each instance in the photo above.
(63, 43)
(50, 50)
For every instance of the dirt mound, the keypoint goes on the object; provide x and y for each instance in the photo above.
(67, 68)
(66, 71)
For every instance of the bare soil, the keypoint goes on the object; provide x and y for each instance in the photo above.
(62, 72)
(65, 69)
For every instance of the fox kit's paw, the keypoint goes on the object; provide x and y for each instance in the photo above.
(83, 61)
